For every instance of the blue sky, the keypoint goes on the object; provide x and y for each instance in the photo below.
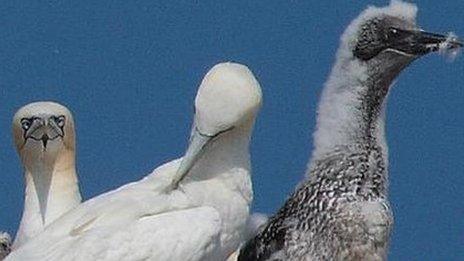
(129, 71)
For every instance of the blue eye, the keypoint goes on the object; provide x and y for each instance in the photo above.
(26, 124)
(60, 121)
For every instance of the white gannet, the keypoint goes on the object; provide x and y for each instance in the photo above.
(341, 211)
(45, 140)
(195, 208)
(5, 244)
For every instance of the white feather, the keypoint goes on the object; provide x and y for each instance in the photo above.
(204, 218)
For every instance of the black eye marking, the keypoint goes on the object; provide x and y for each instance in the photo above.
(54, 128)
(60, 121)
(26, 123)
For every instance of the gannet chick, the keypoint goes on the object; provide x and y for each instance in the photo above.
(341, 212)
(45, 140)
(5, 245)
(194, 208)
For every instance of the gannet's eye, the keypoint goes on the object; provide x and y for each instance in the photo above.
(393, 31)
(26, 123)
(60, 120)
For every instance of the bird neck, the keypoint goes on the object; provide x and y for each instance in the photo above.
(221, 179)
(51, 190)
(225, 164)
(352, 106)
(228, 152)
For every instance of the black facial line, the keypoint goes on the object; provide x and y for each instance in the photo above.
(214, 135)
(34, 118)
(40, 139)
(56, 118)
(30, 121)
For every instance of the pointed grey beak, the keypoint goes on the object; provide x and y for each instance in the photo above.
(418, 42)
(45, 139)
(198, 142)
(42, 129)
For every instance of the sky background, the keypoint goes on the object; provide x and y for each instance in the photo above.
(129, 71)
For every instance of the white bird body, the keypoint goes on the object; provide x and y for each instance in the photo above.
(203, 218)
(117, 224)
(47, 152)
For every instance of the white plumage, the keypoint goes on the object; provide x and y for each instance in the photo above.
(195, 208)
(45, 141)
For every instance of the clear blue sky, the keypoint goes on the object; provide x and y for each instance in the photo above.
(129, 71)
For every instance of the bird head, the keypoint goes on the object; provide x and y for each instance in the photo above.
(229, 98)
(42, 130)
(388, 38)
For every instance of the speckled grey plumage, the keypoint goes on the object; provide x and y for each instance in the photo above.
(341, 211)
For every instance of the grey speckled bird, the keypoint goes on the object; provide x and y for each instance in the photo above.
(5, 245)
(341, 211)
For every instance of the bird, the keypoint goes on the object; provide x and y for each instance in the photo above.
(5, 245)
(192, 208)
(44, 137)
(341, 211)
(255, 222)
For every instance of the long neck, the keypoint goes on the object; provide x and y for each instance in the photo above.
(351, 110)
(223, 181)
(50, 192)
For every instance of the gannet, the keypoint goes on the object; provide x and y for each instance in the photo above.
(341, 211)
(256, 221)
(5, 244)
(193, 208)
(45, 140)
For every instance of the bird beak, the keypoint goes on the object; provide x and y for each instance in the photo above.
(45, 139)
(417, 42)
(431, 41)
(198, 142)
(42, 131)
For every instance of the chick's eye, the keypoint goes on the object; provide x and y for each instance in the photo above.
(26, 124)
(60, 120)
(393, 32)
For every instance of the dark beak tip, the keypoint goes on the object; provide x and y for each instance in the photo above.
(45, 139)
(437, 42)
(453, 45)
(454, 42)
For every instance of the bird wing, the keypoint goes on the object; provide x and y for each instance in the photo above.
(191, 234)
(142, 218)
